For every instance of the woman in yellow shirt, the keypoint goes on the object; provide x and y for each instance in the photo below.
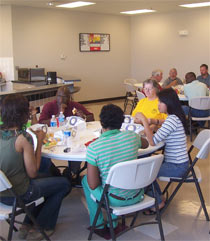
(149, 105)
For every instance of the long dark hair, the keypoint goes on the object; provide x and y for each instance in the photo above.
(170, 98)
(14, 111)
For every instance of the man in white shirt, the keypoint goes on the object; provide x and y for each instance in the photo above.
(192, 89)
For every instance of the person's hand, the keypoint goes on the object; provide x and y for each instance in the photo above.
(32, 110)
(137, 118)
(80, 114)
(40, 134)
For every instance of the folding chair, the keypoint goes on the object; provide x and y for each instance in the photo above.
(199, 103)
(8, 213)
(193, 174)
(140, 95)
(130, 98)
(133, 174)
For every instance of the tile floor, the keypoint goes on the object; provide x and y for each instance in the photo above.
(183, 220)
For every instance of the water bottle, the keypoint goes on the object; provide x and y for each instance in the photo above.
(53, 122)
(61, 119)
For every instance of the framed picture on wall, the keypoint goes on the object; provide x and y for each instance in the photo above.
(94, 42)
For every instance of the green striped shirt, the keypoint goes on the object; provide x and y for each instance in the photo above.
(110, 148)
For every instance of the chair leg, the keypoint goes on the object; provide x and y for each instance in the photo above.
(109, 218)
(95, 218)
(12, 220)
(158, 217)
(123, 220)
(28, 213)
(190, 120)
(166, 188)
(134, 219)
(201, 198)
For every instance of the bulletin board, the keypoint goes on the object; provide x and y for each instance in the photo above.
(94, 42)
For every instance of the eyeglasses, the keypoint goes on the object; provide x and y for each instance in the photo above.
(148, 89)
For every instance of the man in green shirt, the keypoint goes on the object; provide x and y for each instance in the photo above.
(112, 147)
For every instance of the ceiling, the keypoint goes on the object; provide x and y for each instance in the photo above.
(108, 6)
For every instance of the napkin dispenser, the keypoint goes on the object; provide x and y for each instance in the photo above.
(76, 121)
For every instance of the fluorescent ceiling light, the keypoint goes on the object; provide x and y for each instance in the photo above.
(196, 5)
(75, 4)
(139, 11)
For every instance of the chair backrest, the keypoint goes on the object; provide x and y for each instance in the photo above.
(130, 81)
(202, 143)
(140, 95)
(200, 103)
(130, 88)
(4, 182)
(135, 174)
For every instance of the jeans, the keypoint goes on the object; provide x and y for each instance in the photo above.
(53, 189)
(97, 193)
(169, 169)
(196, 113)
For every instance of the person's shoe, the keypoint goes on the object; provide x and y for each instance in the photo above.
(23, 231)
(36, 235)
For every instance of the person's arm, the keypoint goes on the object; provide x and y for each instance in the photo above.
(144, 143)
(83, 112)
(45, 115)
(173, 83)
(147, 130)
(93, 176)
(156, 122)
(31, 159)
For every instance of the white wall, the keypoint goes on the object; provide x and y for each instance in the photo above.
(40, 36)
(6, 47)
(155, 42)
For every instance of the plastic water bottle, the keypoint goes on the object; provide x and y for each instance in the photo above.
(53, 122)
(61, 119)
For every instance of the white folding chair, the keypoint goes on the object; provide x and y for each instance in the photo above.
(140, 95)
(193, 174)
(199, 103)
(133, 174)
(8, 213)
(130, 98)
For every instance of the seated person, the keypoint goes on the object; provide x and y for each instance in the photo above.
(112, 147)
(172, 80)
(157, 75)
(149, 106)
(20, 164)
(64, 104)
(172, 132)
(205, 76)
(192, 89)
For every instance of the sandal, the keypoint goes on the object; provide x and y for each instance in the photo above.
(149, 212)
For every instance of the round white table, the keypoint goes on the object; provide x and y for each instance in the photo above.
(78, 149)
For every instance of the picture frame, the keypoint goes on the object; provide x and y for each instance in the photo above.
(94, 42)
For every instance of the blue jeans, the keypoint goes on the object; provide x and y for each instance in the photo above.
(196, 113)
(53, 189)
(169, 169)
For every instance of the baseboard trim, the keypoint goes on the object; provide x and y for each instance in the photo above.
(102, 100)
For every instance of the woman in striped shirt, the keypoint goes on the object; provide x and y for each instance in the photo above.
(172, 132)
